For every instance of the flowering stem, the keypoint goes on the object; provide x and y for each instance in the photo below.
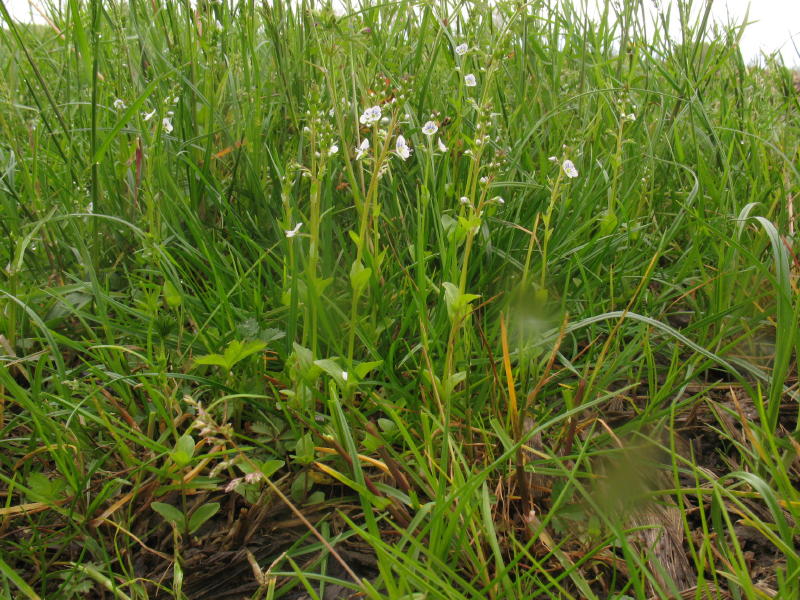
(547, 233)
(369, 199)
(612, 195)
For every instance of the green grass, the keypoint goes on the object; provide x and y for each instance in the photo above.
(468, 375)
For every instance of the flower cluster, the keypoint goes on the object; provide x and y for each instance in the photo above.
(624, 104)
(320, 129)
(210, 431)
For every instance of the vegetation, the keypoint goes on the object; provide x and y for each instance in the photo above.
(428, 300)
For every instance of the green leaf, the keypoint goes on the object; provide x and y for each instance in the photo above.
(456, 302)
(184, 450)
(172, 295)
(317, 497)
(362, 369)
(238, 351)
(44, 489)
(211, 359)
(271, 334)
(332, 368)
(304, 450)
(302, 363)
(234, 353)
(169, 512)
(201, 515)
(359, 277)
(387, 425)
(270, 467)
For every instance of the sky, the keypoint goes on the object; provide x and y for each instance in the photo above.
(773, 23)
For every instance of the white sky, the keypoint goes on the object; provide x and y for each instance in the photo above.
(773, 23)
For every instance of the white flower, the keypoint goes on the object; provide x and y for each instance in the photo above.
(119, 104)
(333, 149)
(371, 115)
(176, 99)
(402, 149)
(553, 159)
(361, 150)
(569, 169)
(148, 116)
(90, 207)
(464, 200)
(290, 233)
(442, 147)
(166, 123)
(344, 375)
(461, 49)
(498, 200)
(430, 128)
(469, 80)
(484, 180)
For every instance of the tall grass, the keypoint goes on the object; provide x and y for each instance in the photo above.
(228, 327)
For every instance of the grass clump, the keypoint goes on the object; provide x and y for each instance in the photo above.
(422, 300)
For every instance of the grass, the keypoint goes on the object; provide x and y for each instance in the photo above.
(465, 375)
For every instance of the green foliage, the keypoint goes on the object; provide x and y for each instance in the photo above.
(223, 292)
(234, 353)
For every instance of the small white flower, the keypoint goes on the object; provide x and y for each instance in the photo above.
(90, 207)
(176, 99)
(630, 117)
(553, 159)
(344, 375)
(333, 149)
(402, 149)
(498, 200)
(361, 150)
(290, 233)
(371, 115)
(119, 104)
(469, 80)
(430, 128)
(148, 116)
(461, 49)
(484, 180)
(442, 147)
(166, 123)
(569, 169)
(464, 200)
